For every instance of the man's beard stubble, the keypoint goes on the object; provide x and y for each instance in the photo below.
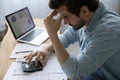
(79, 25)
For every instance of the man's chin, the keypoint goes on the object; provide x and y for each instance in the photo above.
(75, 27)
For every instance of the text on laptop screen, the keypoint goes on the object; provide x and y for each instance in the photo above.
(20, 22)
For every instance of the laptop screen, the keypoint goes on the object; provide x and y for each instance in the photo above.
(20, 22)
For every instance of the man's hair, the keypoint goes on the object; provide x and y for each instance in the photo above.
(74, 6)
(54, 4)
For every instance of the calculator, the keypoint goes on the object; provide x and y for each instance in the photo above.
(31, 67)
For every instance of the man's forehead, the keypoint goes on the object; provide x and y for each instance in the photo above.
(62, 9)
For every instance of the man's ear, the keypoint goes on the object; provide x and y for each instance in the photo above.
(84, 11)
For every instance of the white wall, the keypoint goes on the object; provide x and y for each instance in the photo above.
(38, 8)
(114, 4)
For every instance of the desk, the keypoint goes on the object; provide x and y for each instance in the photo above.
(6, 48)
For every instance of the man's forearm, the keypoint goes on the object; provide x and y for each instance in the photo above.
(50, 48)
(60, 51)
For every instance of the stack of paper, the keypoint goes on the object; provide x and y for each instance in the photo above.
(51, 71)
(22, 47)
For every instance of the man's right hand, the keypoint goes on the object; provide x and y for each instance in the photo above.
(43, 52)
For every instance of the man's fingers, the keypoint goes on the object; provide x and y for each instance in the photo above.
(37, 59)
(62, 14)
(59, 19)
(45, 58)
(53, 14)
(31, 56)
(44, 61)
(27, 56)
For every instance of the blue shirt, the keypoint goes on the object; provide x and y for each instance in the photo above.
(100, 48)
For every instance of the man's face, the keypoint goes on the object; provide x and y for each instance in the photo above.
(75, 21)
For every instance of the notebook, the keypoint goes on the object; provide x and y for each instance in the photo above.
(23, 28)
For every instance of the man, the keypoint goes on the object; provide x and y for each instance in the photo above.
(99, 47)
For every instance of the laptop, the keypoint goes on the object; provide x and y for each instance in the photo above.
(24, 29)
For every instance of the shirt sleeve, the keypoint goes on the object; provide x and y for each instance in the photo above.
(99, 48)
(69, 37)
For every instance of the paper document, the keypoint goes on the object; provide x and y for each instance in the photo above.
(58, 76)
(17, 69)
(22, 47)
(72, 49)
(51, 71)
(52, 66)
(15, 73)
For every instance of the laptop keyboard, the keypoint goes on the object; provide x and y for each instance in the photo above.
(32, 34)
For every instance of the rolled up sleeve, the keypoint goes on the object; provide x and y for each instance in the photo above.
(98, 49)
(69, 37)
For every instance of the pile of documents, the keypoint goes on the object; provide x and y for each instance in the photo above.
(51, 71)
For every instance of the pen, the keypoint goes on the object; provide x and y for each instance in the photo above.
(24, 51)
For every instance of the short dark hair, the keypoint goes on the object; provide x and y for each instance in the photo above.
(74, 6)
(54, 4)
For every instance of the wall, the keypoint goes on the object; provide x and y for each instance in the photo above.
(39, 8)
(114, 4)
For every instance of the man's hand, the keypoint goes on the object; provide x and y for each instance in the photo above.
(43, 52)
(52, 27)
(51, 24)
